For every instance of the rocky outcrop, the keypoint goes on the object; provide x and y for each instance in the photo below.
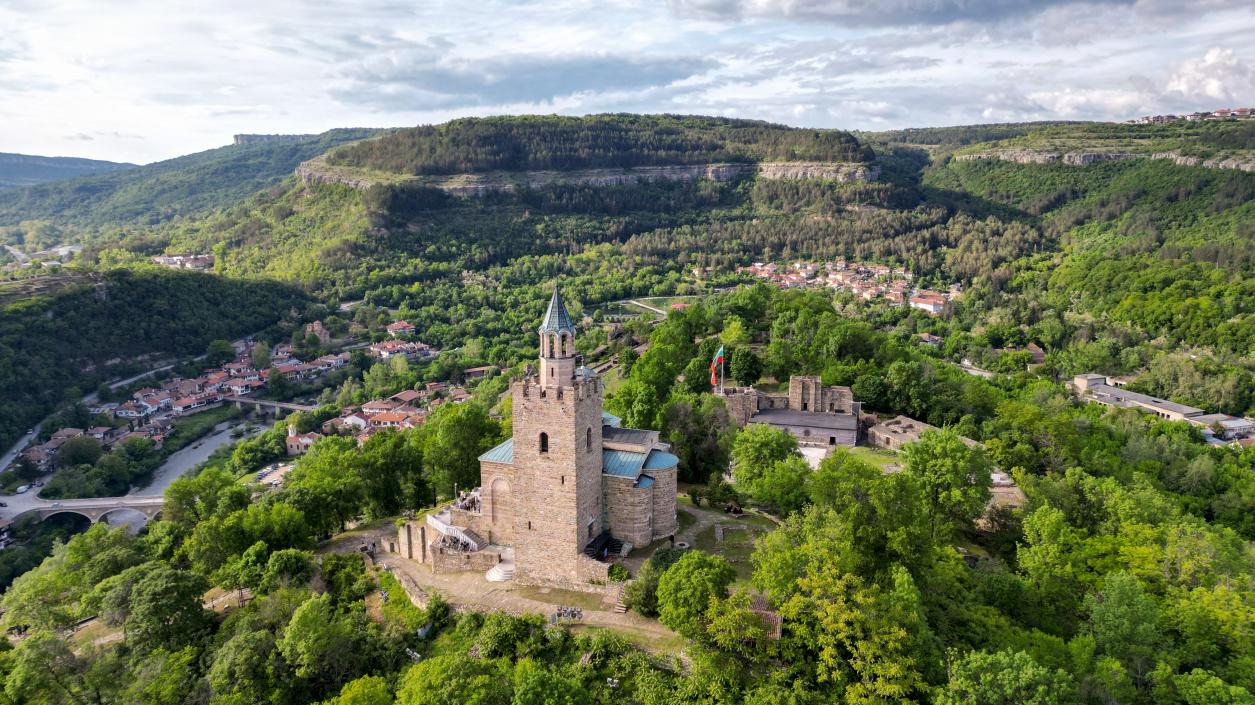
(317, 171)
(1078, 158)
(1032, 156)
(1241, 164)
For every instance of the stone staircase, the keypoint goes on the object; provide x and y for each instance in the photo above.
(619, 606)
(500, 573)
(603, 543)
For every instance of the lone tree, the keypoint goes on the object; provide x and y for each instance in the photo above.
(954, 478)
(758, 447)
(686, 588)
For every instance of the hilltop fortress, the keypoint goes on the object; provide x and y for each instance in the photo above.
(569, 488)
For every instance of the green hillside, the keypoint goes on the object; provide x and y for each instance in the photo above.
(186, 186)
(1038, 231)
(58, 342)
(555, 142)
(18, 170)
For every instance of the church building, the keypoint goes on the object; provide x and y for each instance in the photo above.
(568, 489)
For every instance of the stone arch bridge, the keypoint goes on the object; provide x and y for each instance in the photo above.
(96, 508)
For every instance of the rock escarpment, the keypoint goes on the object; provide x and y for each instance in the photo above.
(1080, 158)
(317, 171)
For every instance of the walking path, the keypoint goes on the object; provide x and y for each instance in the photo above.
(647, 307)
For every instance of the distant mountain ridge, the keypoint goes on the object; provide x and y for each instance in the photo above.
(18, 170)
(185, 186)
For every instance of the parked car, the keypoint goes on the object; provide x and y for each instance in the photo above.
(4, 504)
(22, 489)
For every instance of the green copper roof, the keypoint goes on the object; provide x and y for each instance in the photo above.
(621, 463)
(609, 419)
(660, 460)
(557, 319)
(503, 453)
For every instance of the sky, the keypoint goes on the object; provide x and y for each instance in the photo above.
(144, 80)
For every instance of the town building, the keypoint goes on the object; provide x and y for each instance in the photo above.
(816, 415)
(400, 328)
(930, 302)
(568, 488)
(1097, 388)
(299, 443)
(319, 331)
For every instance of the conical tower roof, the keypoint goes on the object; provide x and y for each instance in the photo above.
(556, 318)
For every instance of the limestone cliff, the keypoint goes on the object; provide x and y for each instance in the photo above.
(1082, 158)
(317, 171)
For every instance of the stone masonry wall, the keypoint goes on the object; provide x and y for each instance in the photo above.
(557, 495)
(629, 510)
(808, 393)
(497, 502)
(741, 405)
(445, 561)
(665, 523)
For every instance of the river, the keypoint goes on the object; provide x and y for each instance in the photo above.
(184, 460)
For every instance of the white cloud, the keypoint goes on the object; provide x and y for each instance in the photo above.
(1220, 75)
(185, 81)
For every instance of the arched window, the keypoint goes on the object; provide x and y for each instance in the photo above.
(544, 442)
(588, 439)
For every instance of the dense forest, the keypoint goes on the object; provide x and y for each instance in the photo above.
(618, 140)
(55, 348)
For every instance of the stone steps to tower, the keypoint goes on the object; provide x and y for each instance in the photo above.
(500, 573)
(619, 606)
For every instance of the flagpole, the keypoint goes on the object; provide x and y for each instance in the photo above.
(721, 357)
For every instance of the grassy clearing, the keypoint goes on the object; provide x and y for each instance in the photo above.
(563, 598)
(686, 519)
(398, 607)
(648, 641)
(878, 457)
(737, 543)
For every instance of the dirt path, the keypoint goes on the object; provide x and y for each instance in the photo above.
(705, 518)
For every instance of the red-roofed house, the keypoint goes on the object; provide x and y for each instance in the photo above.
(930, 302)
(300, 443)
(400, 328)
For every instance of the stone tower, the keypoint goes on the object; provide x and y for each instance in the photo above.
(557, 487)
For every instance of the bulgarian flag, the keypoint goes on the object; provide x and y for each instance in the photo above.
(714, 367)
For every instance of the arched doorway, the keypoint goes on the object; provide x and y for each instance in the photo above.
(502, 503)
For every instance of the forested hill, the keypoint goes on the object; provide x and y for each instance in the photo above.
(524, 143)
(58, 342)
(190, 185)
(28, 169)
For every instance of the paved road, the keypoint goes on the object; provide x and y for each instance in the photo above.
(647, 307)
(17, 254)
(7, 459)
